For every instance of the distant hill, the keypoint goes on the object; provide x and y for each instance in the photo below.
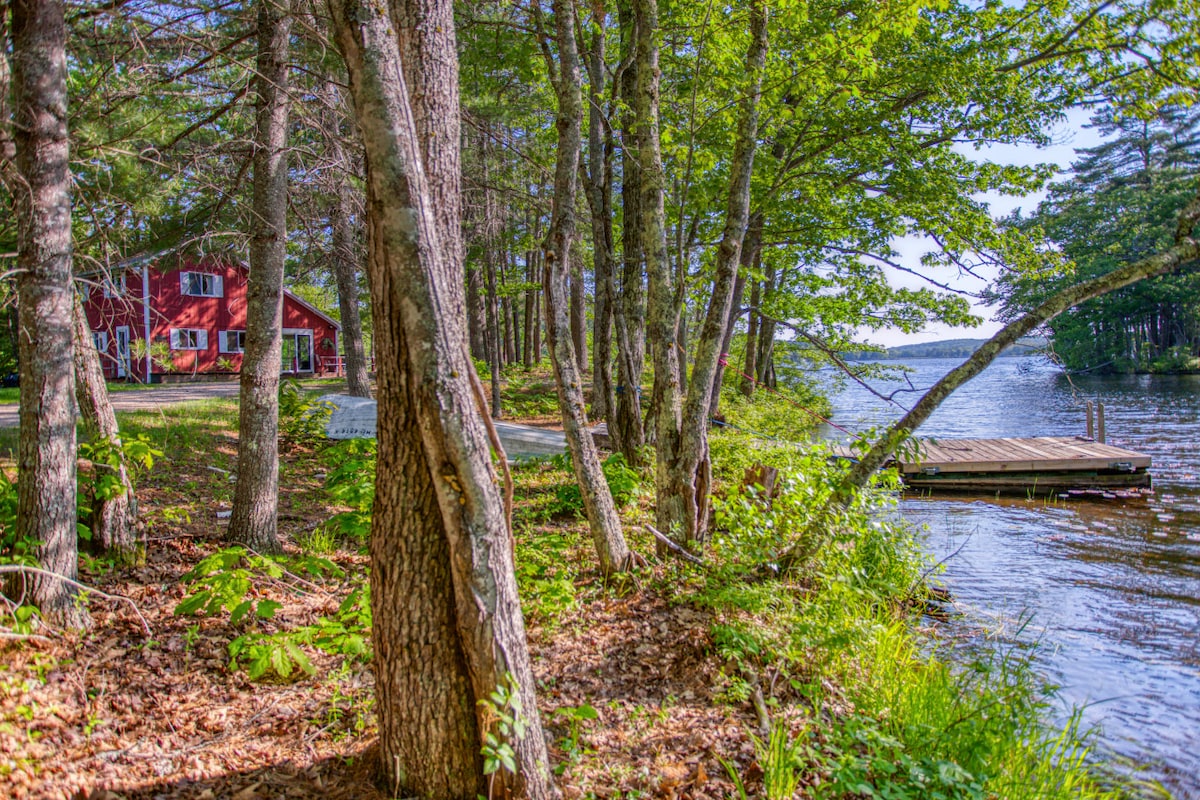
(950, 348)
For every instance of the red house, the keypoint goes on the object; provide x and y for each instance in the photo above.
(194, 321)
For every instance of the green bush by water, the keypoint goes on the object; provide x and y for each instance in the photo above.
(884, 715)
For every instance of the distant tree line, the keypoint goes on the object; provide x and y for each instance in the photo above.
(1121, 203)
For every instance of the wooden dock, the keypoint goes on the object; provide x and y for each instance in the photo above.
(1043, 465)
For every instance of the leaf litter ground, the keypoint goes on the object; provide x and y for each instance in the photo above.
(115, 713)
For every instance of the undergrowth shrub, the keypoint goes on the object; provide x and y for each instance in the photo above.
(302, 417)
(351, 482)
(623, 481)
(233, 580)
(898, 720)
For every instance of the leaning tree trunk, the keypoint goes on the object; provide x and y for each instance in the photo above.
(434, 666)
(256, 498)
(344, 256)
(689, 474)
(46, 448)
(1185, 249)
(605, 525)
(114, 513)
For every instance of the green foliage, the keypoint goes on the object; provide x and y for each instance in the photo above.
(905, 723)
(623, 482)
(504, 723)
(136, 452)
(13, 550)
(351, 482)
(1120, 206)
(225, 581)
(574, 716)
(302, 417)
(280, 655)
(270, 655)
(545, 575)
(788, 413)
(781, 760)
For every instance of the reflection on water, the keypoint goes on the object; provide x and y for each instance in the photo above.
(1113, 588)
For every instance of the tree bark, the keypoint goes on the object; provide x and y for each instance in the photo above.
(603, 521)
(750, 247)
(661, 315)
(598, 188)
(469, 638)
(358, 377)
(625, 426)
(1185, 249)
(114, 519)
(689, 475)
(344, 256)
(47, 447)
(750, 359)
(476, 318)
(578, 314)
(256, 498)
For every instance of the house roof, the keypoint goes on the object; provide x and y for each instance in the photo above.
(301, 302)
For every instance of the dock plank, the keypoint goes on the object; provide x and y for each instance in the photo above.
(1050, 453)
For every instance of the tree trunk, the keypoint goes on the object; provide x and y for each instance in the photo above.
(689, 475)
(530, 308)
(1186, 248)
(495, 338)
(598, 188)
(47, 448)
(750, 359)
(597, 499)
(358, 379)
(476, 316)
(578, 314)
(256, 498)
(469, 637)
(344, 256)
(625, 426)
(114, 519)
(751, 243)
(751, 246)
(764, 369)
(661, 316)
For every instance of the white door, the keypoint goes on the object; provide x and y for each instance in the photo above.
(122, 351)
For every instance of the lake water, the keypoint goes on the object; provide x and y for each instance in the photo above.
(1110, 589)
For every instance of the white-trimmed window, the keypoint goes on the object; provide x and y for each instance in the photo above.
(201, 284)
(189, 339)
(232, 341)
(101, 340)
(113, 285)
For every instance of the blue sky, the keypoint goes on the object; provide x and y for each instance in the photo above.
(1071, 134)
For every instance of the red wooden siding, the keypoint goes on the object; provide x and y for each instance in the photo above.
(171, 309)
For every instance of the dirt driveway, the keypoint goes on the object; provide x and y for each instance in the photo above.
(145, 399)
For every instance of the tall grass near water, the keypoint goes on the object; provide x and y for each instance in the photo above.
(876, 707)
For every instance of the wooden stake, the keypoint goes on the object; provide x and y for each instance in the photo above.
(1091, 432)
(1100, 422)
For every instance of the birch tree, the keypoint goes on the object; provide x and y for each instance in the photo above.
(603, 521)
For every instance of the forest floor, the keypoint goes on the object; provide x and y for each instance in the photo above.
(147, 703)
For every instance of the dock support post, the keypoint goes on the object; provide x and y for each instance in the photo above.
(1100, 422)
(1091, 430)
